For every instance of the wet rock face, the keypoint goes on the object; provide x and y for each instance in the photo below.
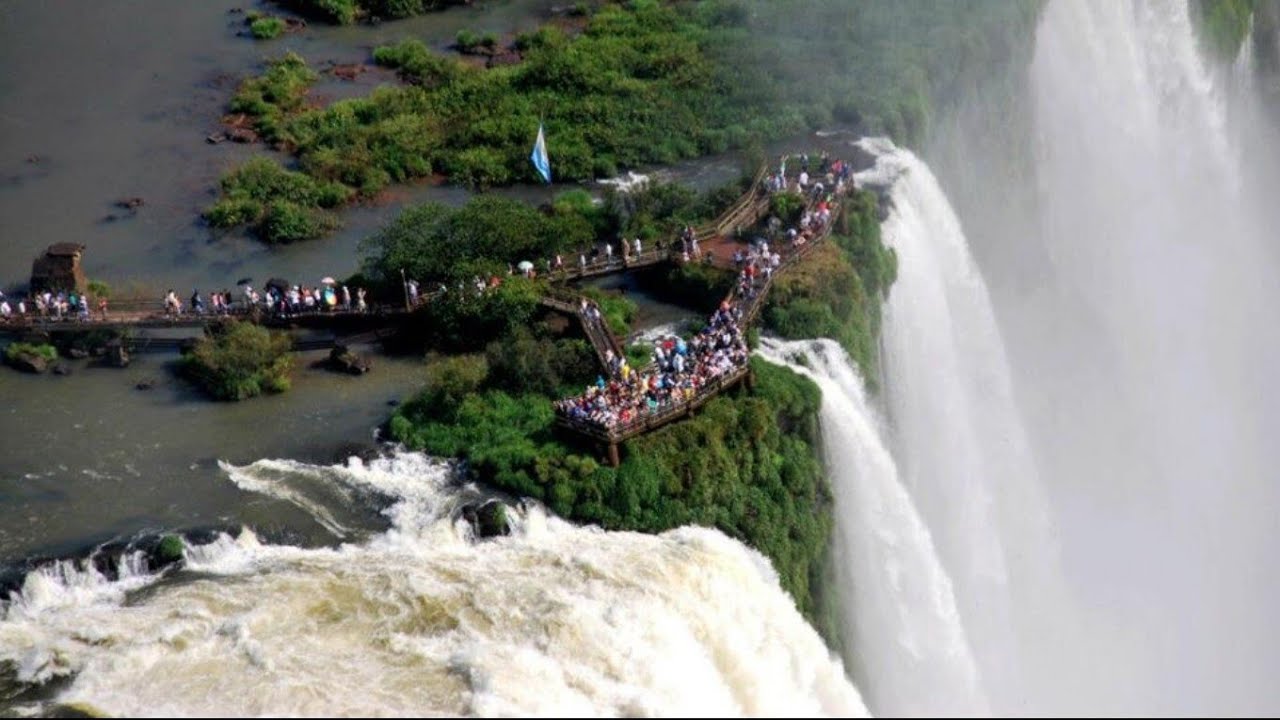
(488, 520)
(342, 359)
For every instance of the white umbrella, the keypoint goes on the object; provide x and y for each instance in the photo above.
(525, 266)
(328, 281)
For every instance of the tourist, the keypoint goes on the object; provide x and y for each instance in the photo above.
(361, 306)
(102, 308)
(346, 299)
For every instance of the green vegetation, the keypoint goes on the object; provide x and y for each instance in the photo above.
(483, 238)
(617, 310)
(99, 289)
(469, 41)
(1222, 25)
(169, 550)
(238, 360)
(267, 27)
(345, 12)
(747, 464)
(281, 206)
(276, 95)
(837, 290)
(643, 82)
(17, 350)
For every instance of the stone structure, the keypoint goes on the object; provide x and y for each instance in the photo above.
(59, 269)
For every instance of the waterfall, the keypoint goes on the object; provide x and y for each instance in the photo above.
(555, 620)
(1134, 284)
(958, 435)
(900, 612)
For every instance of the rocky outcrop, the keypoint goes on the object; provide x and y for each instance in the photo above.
(342, 359)
(166, 552)
(27, 362)
(487, 520)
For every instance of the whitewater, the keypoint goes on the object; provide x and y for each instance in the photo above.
(422, 619)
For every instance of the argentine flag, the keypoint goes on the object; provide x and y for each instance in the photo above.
(539, 157)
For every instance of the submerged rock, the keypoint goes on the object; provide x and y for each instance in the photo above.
(61, 369)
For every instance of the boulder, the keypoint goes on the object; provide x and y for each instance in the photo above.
(146, 384)
(28, 362)
(488, 520)
(167, 552)
(77, 353)
(342, 359)
(61, 369)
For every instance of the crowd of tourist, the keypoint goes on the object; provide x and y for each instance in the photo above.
(679, 371)
(49, 305)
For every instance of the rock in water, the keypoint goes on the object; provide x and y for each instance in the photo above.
(61, 369)
(342, 359)
(167, 552)
(117, 355)
(28, 362)
(491, 520)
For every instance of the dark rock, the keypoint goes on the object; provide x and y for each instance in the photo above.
(393, 403)
(132, 203)
(146, 384)
(167, 552)
(116, 355)
(61, 369)
(110, 217)
(34, 159)
(488, 520)
(77, 353)
(215, 138)
(342, 359)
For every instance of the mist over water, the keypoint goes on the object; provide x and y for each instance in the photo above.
(1128, 238)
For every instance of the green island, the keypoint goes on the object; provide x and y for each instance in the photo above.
(618, 86)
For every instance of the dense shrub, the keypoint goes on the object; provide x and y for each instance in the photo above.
(46, 352)
(266, 28)
(746, 465)
(279, 204)
(836, 292)
(239, 360)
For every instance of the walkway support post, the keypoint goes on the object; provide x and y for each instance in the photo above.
(613, 454)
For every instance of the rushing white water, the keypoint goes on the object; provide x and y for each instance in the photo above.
(900, 611)
(958, 435)
(1135, 285)
(554, 620)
